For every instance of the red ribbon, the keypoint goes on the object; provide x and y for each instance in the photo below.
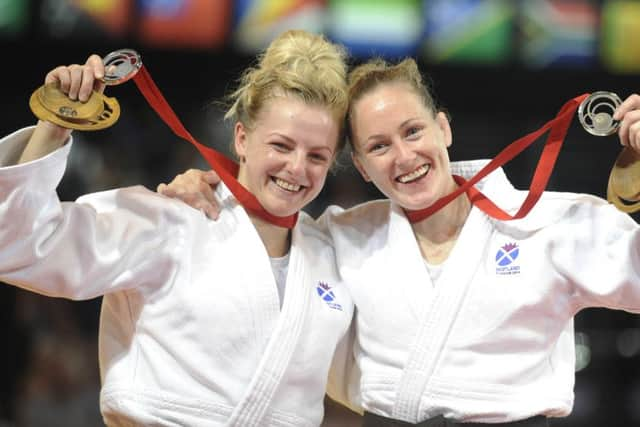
(558, 130)
(226, 168)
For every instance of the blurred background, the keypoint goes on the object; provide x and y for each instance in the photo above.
(501, 68)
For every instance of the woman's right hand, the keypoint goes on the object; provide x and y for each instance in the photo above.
(195, 187)
(77, 82)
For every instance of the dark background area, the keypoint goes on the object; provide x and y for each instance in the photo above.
(48, 371)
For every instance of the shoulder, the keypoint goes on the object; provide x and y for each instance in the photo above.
(578, 205)
(137, 194)
(138, 201)
(311, 231)
(340, 225)
(553, 207)
(350, 228)
(365, 217)
(563, 208)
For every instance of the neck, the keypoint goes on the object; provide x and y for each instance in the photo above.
(437, 234)
(276, 240)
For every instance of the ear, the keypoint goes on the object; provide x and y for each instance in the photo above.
(358, 165)
(443, 123)
(240, 139)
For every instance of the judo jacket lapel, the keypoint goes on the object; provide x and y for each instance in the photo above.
(440, 315)
(257, 399)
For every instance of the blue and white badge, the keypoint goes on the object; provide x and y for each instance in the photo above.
(328, 296)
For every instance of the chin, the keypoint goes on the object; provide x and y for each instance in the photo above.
(416, 205)
(280, 206)
(282, 210)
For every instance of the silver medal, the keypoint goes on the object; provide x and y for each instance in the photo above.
(120, 66)
(596, 113)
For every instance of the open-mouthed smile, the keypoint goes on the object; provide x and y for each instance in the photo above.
(412, 176)
(286, 185)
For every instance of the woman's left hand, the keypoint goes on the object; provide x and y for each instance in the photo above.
(628, 113)
(195, 187)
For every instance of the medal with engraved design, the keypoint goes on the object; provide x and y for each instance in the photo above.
(596, 116)
(49, 103)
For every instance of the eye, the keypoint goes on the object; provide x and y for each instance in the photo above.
(280, 146)
(414, 131)
(378, 147)
(318, 158)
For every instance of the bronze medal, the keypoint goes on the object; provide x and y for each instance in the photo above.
(623, 189)
(49, 103)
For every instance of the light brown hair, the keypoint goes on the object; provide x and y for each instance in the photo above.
(300, 64)
(366, 77)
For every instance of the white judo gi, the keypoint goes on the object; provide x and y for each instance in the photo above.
(191, 330)
(493, 341)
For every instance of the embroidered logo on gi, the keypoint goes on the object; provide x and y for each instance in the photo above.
(328, 296)
(505, 259)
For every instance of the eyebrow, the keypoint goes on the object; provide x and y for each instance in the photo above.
(379, 136)
(292, 141)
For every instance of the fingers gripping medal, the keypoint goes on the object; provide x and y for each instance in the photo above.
(49, 103)
(596, 116)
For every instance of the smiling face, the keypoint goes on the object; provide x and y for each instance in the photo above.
(401, 146)
(287, 154)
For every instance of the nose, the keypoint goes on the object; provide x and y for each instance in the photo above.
(297, 163)
(404, 153)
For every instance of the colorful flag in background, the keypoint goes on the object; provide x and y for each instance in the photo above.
(198, 24)
(558, 33)
(114, 17)
(258, 22)
(468, 31)
(376, 27)
(14, 17)
(86, 19)
(620, 46)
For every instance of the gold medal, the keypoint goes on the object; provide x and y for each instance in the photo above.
(49, 103)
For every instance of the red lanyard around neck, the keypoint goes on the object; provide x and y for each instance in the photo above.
(558, 129)
(224, 167)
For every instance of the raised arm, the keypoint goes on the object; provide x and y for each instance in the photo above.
(78, 82)
(104, 242)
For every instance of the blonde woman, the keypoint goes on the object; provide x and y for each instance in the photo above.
(202, 323)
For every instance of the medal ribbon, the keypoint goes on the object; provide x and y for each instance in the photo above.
(558, 129)
(226, 168)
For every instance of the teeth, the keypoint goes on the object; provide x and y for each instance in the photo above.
(421, 171)
(286, 185)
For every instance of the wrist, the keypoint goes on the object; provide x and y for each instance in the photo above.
(55, 133)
